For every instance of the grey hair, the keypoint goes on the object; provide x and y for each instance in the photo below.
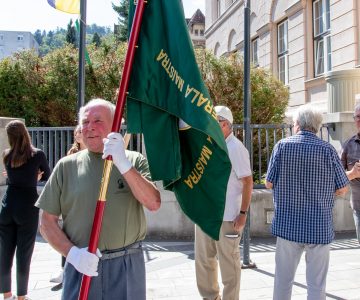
(229, 124)
(96, 102)
(307, 118)
(357, 107)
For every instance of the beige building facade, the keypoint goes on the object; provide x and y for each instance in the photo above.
(311, 45)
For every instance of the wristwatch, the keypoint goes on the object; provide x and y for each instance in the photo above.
(243, 212)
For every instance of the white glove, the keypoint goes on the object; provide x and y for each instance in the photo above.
(84, 261)
(114, 146)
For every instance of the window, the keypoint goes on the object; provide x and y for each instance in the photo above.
(322, 38)
(282, 51)
(196, 32)
(254, 52)
(201, 32)
(218, 6)
(1, 37)
(20, 37)
(216, 49)
(232, 41)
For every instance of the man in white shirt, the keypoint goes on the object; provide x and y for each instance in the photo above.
(226, 249)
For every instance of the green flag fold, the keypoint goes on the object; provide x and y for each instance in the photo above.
(166, 86)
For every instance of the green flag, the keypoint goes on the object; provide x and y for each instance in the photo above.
(166, 86)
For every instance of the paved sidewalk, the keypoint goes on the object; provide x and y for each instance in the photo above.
(171, 271)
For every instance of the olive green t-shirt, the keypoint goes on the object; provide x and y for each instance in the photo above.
(73, 190)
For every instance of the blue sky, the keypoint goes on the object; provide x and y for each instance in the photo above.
(29, 15)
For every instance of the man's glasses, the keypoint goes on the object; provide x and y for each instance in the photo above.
(356, 117)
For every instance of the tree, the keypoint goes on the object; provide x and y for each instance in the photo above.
(123, 10)
(71, 33)
(49, 37)
(43, 90)
(96, 39)
(224, 78)
(38, 36)
(101, 30)
(19, 86)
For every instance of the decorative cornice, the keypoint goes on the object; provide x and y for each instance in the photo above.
(297, 6)
(224, 17)
(240, 46)
(264, 29)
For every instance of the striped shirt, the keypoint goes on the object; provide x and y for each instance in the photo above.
(305, 172)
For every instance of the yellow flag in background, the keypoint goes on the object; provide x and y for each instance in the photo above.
(68, 6)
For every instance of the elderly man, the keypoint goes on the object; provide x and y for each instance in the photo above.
(305, 174)
(226, 250)
(350, 158)
(72, 192)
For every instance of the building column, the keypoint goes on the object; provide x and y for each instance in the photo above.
(343, 87)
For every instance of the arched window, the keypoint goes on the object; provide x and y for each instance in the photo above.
(232, 41)
(216, 49)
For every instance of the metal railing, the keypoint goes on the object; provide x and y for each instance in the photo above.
(56, 141)
(263, 139)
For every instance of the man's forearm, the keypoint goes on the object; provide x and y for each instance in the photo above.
(53, 234)
(342, 191)
(144, 190)
(246, 193)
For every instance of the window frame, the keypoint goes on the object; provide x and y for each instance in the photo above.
(283, 51)
(218, 7)
(255, 52)
(321, 37)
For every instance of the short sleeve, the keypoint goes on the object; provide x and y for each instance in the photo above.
(49, 199)
(272, 171)
(240, 160)
(44, 166)
(341, 179)
(343, 155)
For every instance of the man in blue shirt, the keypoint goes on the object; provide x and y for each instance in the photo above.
(305, 174)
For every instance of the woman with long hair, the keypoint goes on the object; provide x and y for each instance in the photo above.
(78, 144)
(24, 165)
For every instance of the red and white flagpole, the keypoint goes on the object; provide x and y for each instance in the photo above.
(100, 206)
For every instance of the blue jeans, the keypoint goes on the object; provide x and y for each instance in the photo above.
(356, 214)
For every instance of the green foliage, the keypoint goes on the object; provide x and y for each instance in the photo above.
(123, 10)
(52, 40)
(19, 81)
(96, 39)
(38, 36)
(56, 39)
(100, 30)
(43, 90)
(224, 78)
(71, 33)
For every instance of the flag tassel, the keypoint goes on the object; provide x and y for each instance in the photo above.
(124, 83)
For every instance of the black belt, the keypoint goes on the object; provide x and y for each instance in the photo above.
(131, 249)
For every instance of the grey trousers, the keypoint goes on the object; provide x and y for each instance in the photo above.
(287, 258)
(356, 213)
(120, 278)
